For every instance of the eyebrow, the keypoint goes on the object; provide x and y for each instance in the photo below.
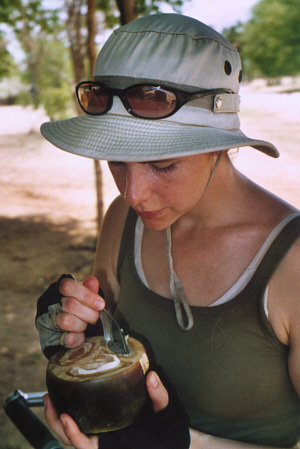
(158, 161)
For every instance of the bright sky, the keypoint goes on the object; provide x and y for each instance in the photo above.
(219, 14)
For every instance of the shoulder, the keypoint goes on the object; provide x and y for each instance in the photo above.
(285, 308)
(283, 295)
(109, 240)
(115, 216)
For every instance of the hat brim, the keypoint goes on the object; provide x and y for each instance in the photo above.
(114, 137)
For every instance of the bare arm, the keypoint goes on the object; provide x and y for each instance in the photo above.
(107, 252)
(80, 302)
(284, 309)
(294, 320)
(202, 441)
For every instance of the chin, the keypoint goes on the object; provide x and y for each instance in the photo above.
(157, 225)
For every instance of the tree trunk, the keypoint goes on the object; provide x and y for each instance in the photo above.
(128, 10)
(91, 27)
(77, 41)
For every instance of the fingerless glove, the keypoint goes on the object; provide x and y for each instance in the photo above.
(48, 305)
(167, 429)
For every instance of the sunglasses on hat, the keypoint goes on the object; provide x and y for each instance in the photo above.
(140, 100)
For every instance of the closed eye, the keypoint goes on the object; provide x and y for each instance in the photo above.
(163, 168)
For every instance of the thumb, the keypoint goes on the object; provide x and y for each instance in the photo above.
(92, 283)
(77, 439)
(157, 392)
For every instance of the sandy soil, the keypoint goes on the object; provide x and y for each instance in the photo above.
(48, 221)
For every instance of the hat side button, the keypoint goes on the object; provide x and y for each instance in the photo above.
(218, 102)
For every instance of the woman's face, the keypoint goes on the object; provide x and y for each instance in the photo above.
(163, 191)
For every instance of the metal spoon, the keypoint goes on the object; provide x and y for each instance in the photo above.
(115, 341)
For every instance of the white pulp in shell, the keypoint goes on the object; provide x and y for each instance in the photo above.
(94, 368)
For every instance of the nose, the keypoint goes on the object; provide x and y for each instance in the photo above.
(137, 187)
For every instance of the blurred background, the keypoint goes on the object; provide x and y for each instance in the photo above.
(52, 202)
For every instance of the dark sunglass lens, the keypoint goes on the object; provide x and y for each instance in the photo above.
(150, 101)
(93, 98)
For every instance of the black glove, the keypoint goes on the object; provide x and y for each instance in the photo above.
(48, 305)
(167, 429)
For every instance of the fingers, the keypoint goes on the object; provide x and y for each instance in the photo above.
(81, 305)
(66, 428)
(73, 339)
(92, 283)
(157, 392)
(54, 421)
(70, 288)
(77, 439)
(83, 314)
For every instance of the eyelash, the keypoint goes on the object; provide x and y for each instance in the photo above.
(166, 169)
(156, 168)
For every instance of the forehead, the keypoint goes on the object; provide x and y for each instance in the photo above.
(172, 160)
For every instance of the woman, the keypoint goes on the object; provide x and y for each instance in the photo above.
(193, 257)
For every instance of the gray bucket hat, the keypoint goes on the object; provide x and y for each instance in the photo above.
(170, 50)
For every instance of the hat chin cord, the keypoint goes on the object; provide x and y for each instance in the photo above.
(182, 309)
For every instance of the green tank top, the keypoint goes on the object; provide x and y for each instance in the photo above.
(230, 371)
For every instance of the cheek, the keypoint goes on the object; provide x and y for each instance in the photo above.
(119, 179)
(187, 192)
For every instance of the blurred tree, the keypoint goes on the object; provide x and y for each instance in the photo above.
(270, 41)
(44, 34)
(36, 29)
(52, 77)
(91, 51)
(77, 36)
(233, 34)
(7, 65)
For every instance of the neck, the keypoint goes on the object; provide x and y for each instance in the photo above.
(221, 201)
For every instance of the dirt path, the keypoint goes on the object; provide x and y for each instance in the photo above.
(47, 222)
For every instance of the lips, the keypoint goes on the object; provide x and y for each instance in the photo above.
(149, 214)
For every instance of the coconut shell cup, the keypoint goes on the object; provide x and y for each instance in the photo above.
(102, 391)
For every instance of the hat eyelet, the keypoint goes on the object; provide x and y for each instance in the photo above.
(227, 68)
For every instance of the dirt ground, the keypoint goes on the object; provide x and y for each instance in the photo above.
(48, 221)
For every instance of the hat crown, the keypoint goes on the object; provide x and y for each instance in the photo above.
(171, 49)
(174, 24)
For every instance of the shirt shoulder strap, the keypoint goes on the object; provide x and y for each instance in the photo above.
(127, 231)
(276, 253)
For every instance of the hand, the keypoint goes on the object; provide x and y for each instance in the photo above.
(64, 310)
(69, 433)
(66, 428)
(81, 305)
(164, 425)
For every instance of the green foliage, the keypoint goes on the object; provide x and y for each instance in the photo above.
(41, 32)
(7, 65)
(271, 39)
(45, 58)
(109, 8)
(55, 80)
(146, 7)
(7, 10)
(52, 83)
(17, 12)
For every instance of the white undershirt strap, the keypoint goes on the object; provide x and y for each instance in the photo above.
(176, 289)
